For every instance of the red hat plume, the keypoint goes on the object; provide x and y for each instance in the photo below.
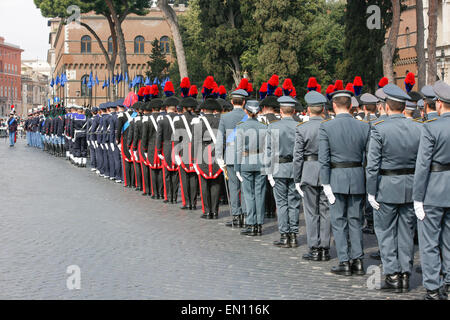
(384, 81)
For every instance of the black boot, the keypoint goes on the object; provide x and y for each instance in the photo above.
(250, 231)
(206, 215)
(283, 242)
(405, 281)
(358, 267)
(376, 255)
(325, 254)
(343, 269)
(434, 295)
(234, 222)
(369, 228)
(293, 240)
(392, 283)
(184, 208)
(314, 254)
(215, 215)
(259, 230)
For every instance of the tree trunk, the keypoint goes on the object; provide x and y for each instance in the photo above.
(172, 20)
(237, 74)
(388, 50)
(420, 46)
(120, 37)
(431, 43)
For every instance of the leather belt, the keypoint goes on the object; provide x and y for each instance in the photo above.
(436, 167)
(312, 157)
(246, 154)
(287, 159)
(397, 172)
(343, 165)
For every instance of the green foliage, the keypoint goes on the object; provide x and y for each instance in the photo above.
(158, 65)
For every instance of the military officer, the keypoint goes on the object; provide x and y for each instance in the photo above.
(113, 151)
(390, 173)
(431, 197)
(79, 137)
(225, 154)
(429, 103)
(204, 147)
(307, 182)
(279, 155)
(133, 140)
(342, 146)
(143, 149)
(91, 137)
(381, 105)
(249, 167)
(164, 145)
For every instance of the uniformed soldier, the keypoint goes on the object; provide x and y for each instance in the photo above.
(411, 110)
(59, 131)
(133, 140)
(204, 130)
(279, 156)
(392, 155)
(307, 182)
(342, 147)
(164, 145)
(113, 152)
(92, 138)
(249, 167)
(381, 105)
(79, 137)
(225, 153)
(429, 103)
(184, 154)
(431, 197)
(103, 140)
(143, 149)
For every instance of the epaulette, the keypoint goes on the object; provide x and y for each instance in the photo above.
(417, 120)
(327, 120)
(430, 120)
(240, 122)
(273, 121)
(363, 120)
(378, 122)
(301, 123)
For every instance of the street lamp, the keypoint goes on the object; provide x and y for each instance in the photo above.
(442, 64)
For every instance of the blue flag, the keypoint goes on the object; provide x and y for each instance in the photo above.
(156, 81)
(96, 80)
(126, 77)
(84, 80)
(57, 80)
(52, 83)
(104, 84)
(147, 81)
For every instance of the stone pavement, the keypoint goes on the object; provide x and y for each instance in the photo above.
(127, 246)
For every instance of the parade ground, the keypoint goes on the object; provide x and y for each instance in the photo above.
(56, 218)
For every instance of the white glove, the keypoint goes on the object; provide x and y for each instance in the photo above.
(146, 155)
(96, 144)
(161, 156)
(238, 175)
(271, 181)
(373, 202)
(52, 135)
(73, 140)
(329, 193)
(101, 146)
(112, 147)
(119, 146)
(88, 143)
(418, 208)
(299, 190)
(177, 160)
(106, 146)
(221, 163)
(135, 155)
(196, 169)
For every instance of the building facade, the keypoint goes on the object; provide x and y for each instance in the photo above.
(407, 39)
(10, 80)
(35, 84)
(75, 51)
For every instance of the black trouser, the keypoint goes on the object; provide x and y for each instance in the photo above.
(79, 148)
(189, 187)
(105, 168)
(138, 175)
(270, 199)
(93, 154)
(157, 182)
(210, 193)
(171, 184)
(146, 181)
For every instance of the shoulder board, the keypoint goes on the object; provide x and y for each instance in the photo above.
(378, 122)
(240, 122)
(418, 121)
(273, 121)
(363, 120)
(327, 120)
(431, 120)
(302, 123)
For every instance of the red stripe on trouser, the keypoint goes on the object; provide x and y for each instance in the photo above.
(201, 193)
(164, 182)
(183, 199)
(123, 162)
(210, 160)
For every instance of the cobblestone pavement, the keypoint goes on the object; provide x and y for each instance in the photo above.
(127, 246)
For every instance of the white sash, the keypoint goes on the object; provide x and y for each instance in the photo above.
(208, 127)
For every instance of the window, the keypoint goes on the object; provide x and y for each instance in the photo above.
(85, 91)
(408, 39)
(164, 44)
(110, 45)
(139, 44)
(85, 44)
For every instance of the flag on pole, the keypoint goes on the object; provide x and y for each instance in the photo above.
(57, 80)
(52, 83)
(126, 77)
(96, 80)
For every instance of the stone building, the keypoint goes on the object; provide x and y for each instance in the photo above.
(10, 82)
(35, 84)
(75, 51)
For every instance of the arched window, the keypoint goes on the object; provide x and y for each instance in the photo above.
(164, 44)
(85, 44)
(85, 91)
(408, 38)
(110, 45)
(139, 44)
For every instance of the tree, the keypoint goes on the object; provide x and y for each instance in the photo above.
(388, 49)
(420, 45)
(172, 20)
(431, 42)
(158, 65)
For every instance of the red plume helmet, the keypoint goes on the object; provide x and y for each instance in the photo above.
(384, 81)
(410, 78)
(330, 89)
(349, 87)
(243, 84)
(357, 82)
(278, 92)
(193, 91)
(274, 81)
(312, 83)
(338, 85)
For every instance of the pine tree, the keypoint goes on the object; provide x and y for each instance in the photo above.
(158, 65)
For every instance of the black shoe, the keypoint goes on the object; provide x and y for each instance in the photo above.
(343, 269)
(405, 281)
(314, 254)
(392, 283)
(166, 201)
(144, 194)
(434, 295)
(444, 291)
(184, 208)
(293, 240)
(250, 231)
(205, 216)
(324, 254)
(419, 269)
(358, 267)
(283, 242)
(368, 229)
(153, 197)
(236, 222)
(194, 207)
(259, 230)
(376, 255)
(215, 215)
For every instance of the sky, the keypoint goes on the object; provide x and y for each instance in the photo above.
(21, 24)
